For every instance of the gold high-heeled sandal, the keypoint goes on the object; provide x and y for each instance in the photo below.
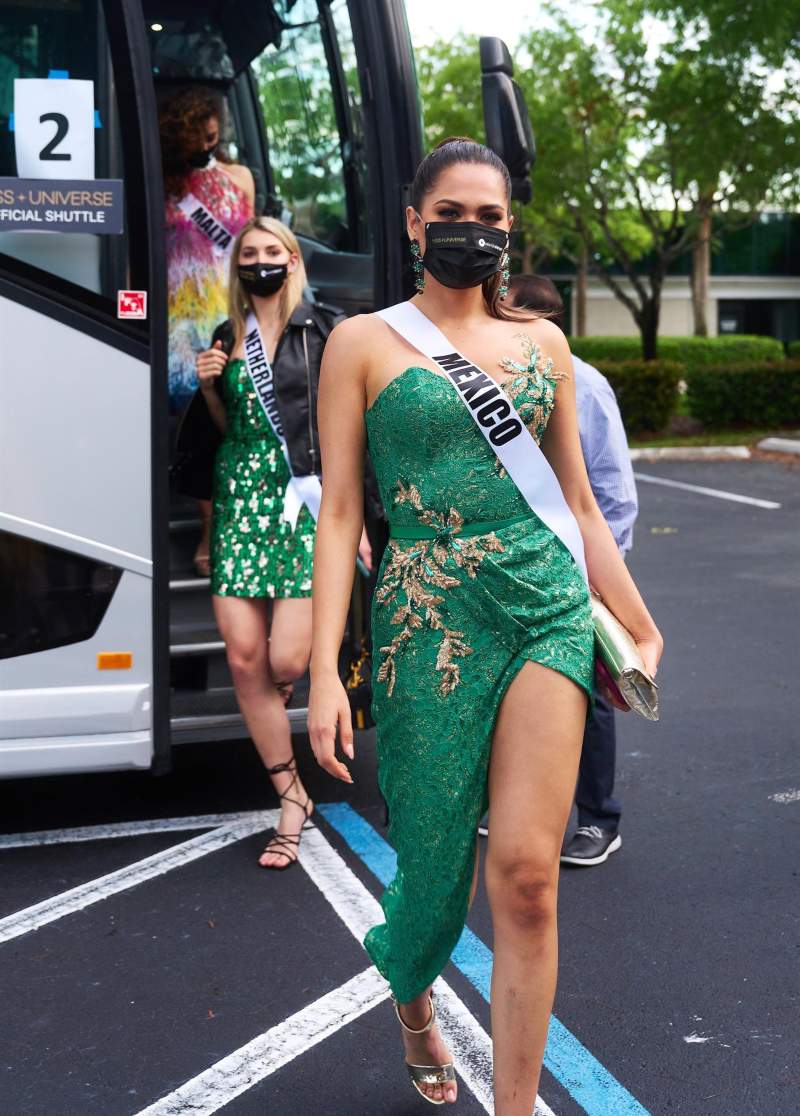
(426, 1075)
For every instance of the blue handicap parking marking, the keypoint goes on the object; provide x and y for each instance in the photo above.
(587, 1081)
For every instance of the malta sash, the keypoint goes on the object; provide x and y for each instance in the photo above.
(498, 420)
(300, 490)
(203, 219)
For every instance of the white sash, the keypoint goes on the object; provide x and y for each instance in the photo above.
(203, 219)
(300, 490)
(498, 420)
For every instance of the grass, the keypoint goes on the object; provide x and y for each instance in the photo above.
(740, 436)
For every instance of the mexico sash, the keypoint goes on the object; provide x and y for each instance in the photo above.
(300, 490)
(204, 220)
(498, 420)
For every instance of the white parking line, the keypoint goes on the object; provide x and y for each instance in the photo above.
(786, 796)
(239, 1071)
(129, 829)
(717, 492)
(250, 1064)
(469, 1043)
(94, 891)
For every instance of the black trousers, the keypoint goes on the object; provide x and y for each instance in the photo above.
(595, 793)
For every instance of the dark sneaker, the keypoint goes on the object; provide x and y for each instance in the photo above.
(590, 845)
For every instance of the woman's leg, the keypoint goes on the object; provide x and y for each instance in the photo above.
(534, 764)
(201, 554)
(244, 626)
(430, 1048)
(290, 638)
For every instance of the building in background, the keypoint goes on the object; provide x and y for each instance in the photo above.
(754, 287)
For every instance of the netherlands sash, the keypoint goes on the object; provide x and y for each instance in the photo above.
(300, 490)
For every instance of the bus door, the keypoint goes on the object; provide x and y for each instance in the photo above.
(321, 105)
(80, 290)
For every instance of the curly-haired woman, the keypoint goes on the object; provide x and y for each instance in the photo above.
(208, 200)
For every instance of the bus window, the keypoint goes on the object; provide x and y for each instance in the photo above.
(313, 110)
(64, 43)
(49, 597)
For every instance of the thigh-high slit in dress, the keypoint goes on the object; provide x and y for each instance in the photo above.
(472, 585)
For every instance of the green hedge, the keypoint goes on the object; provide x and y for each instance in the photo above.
(751, 395)
(647, 391)
(691, 351)
(793, 349)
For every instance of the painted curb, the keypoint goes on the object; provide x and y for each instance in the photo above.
(693, 453)
(780, 445)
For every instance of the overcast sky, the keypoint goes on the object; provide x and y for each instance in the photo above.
(442, 19)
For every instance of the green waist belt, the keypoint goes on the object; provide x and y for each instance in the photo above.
(477, 527)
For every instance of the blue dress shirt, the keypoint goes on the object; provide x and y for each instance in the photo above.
(605, 451)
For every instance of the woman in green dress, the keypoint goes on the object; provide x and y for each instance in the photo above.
(481, 623)
(261, 561)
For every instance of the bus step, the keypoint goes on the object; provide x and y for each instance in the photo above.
(211, 647)
(224, 726)
(187, 524)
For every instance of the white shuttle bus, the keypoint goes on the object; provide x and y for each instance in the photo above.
(108, 651)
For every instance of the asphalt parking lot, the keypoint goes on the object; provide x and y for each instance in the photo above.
(149, 966)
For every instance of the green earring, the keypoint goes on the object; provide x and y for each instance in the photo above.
(502, 268)
(416, 263)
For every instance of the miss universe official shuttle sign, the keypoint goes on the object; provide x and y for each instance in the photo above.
(54, 123)
(61, 205)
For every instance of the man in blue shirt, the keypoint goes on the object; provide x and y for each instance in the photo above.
(608, 463)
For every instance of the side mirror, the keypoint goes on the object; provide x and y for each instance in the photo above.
(505, 116)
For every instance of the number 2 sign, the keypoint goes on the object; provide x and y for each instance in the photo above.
(54, 127)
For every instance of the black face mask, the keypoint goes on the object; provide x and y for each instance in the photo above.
(263, 279)
(463, 253)
(202, 158)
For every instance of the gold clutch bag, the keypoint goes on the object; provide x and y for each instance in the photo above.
(619, 666)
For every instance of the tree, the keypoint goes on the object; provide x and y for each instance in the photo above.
(449, 75)
(603, 188)
(583, 142)
(770, 28)
(729, 128)
(661, 141)
(641, 152)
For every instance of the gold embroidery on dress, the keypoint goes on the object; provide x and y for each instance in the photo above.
(417, 573)
(536, 378)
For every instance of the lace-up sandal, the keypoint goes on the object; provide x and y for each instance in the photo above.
(287, 845)
(426, 1075)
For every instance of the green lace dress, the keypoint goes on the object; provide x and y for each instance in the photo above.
(254, 552)
(471, 586)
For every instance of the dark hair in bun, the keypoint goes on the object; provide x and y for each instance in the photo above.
(450, 153)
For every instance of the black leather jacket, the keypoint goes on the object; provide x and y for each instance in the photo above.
(296, 370)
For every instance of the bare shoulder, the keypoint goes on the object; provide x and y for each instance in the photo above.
(238, 171)
(549, 338)
(242, 176)
(358, 335)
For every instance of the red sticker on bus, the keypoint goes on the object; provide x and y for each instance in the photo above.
(131, 304)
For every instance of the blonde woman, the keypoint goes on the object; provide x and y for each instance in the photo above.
(259, 380)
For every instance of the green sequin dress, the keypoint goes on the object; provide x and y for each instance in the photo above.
(471, 586)
(254, 552)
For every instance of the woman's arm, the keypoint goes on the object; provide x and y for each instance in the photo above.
(340, 415)
(209, 366)
(608, 574)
